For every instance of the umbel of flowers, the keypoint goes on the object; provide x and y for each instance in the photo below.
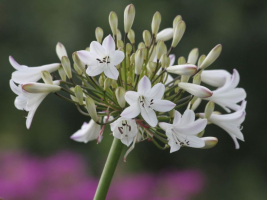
(138, 90)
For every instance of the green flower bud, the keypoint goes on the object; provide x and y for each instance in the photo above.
(118, 34)
(101, 81)
(107, 83)
(209, 109)
(91, 108)
(197, 79)
(62, 73)
(196, 104)
(177, 88)
(47, 78)
(131, 36)
(114, 84)
(73, 97)
(132, 58)
(87, 48)
(152, 67)
(172, 113)
(40, 88)
(141, 45)
(181, 60)
(193, 56)
(160, 49)
(176, 20)
(77, 69)
(129, 79)
(211, 57)
(65, 62)
(120, 92)
(99, 33)
(128, 48)
(210, 142)
(200, 60)
(147, 37)
(165, 61)
(79, 94)
(178, 33)
(113, 22)
(78, 62)
(155, 23)
(120, 44)
(185, 78)
(129, 14)
(139, 59)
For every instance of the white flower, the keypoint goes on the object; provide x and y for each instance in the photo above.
(146, 100)
(215, 78)
(25, 74)
(165, 35)
(183, 131)
(196, 90)
(124, 129)
(186, 69)
(28, 101)
(231, 123)
(228, 95)
(102, 58)
(88, 132)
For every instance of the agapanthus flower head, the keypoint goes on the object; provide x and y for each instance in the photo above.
(127, 86)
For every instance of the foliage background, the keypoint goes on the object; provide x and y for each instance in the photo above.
(29, 31)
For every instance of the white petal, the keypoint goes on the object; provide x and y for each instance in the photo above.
(164, 126)
(16, 89)
(196, 90)
(193, 141)
(172, 59)
(86, 57)
(20, 103)
(127, 140)
(116, 57)
(95, 70)
(186, 69)
(97, 49)
(131, 111)
(177, 117)
(162, 105)
(16, 65)
(109, 44)
(156, 92)
(131, 97)
(215, 78)
(174, 146)
(61, 51)
(192, 128)
(165, 35)
(149, 116)
(111, 72)
(187, 118)
(144, 86)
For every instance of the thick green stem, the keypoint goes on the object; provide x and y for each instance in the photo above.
(109, 169)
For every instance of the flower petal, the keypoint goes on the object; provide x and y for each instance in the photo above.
(131, 111)
(164, 126)
(196, 90)
(111, 72)
(97, 49)
(144, 86)
(162, 105)
(108, 44)
(156, 92)
(87, 57)
(95, 70)
(172, 59)
(131, 97)
(187, 118)
(116, 57)
(16, 65)
(192, 128)
(149, 116)
(127, 140)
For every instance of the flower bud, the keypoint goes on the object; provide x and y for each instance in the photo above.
(209, 142)
(165, 61)
(66, 66)
(120, 44)
(78, 62)
(196, 104)
(211, 57)
(73, 97)
(61, 51)
(165, 35)
(107, 83)
(132, 58)
(185, 69)
(101, 81)
(129, 79)
(78, 94)
(200, 60)
(155, 23)
(77, 69)
(209, 109)
(62, 73)
(114, 84)
(197, 79)
(99, 33)
(176, 88)
(172, 113)
(118, 34)
(47, 78)
(176, 20)
(185, 78)
(181, 60)
(129, 14)
(128, 49)
(141, 45)
(131, 36)
(40, 88)
(193, 56)
(147, 37)
(139, 59)
(196, 90)
(87, 48)
(113, 22)
(178, 33)
(160, 49)
(120, 92)
(90, 106)
(152, 66)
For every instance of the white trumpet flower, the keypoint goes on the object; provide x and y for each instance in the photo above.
(124, 129)
(231, 123)
(88, 132)
(102, 58)
(228, 95)
(25, 74)
(183, 131)
(146, 100)
(215, 78)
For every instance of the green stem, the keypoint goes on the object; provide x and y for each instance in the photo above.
(109, 169)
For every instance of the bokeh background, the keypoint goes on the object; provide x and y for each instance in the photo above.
(29, 31)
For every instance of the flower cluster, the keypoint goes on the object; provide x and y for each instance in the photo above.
(138, 90)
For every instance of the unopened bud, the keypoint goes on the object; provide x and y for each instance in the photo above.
(113, 22)
(211, 57)
(101, 81)
(141, 45)
(181, 60)
(193, 56)
(78, 62)
(87, 48)
(196, 104)
(146, 37)
(120, 92)
(114, 84)
(73, 97)
(62, 73)
(47, 78)
(200, 60)
(78, 94)
(107, 83)
(152, 66)
(131, 36)
(209, 109)
(128, 48)
(160, 49)
(197, 79)
(176, 88)
(66, 66)
(165, 35)
(41, 87)
(129, 14)
(129, 79)
(90, 106)
(77, 69)
(165, 61)
(176, 20)
(61, 51)
(155, 23)
(185, 69)
(172, 113)
(132, 58)
(99, 33)
(209, 142)
(139, 59)
(178, 33)
(196, 90)
(120, 44)
(118, 34)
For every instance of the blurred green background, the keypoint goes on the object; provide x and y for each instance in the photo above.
(29, 31)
